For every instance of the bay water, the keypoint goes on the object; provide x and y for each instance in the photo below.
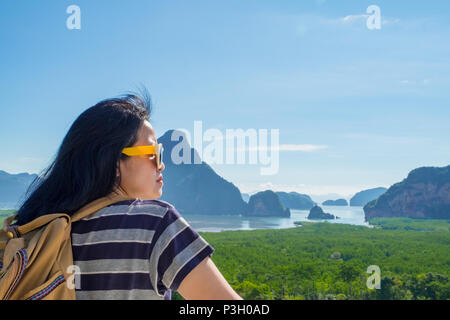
(217, 223)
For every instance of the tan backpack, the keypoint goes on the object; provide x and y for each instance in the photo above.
(36, 259)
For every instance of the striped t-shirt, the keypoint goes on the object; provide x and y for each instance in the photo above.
(135, 249)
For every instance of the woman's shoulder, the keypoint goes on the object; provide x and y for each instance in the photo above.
(145, 205)
(137, 202)
(155, 202)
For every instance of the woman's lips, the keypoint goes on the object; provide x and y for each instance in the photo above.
(160, 179)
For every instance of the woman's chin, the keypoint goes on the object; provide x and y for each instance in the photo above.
(154, 195)
(159, 192)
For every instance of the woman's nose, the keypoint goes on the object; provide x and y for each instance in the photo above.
(163, 166)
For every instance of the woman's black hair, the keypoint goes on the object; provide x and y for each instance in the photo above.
(86, 164)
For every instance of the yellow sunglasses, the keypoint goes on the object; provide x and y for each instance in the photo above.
(144, 150)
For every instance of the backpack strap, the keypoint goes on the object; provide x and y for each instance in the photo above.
(99, 204)
(13, 231)
(39, 222)
(17, 231)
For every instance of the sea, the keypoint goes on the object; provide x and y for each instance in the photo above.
(217, 223)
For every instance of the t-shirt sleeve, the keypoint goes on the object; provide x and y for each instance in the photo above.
(177, 250)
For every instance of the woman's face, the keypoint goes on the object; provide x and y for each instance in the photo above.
(139, 173)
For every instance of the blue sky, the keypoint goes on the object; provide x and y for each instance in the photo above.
(377, 101)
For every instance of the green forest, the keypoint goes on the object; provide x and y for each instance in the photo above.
(321, 260)
(330, 261)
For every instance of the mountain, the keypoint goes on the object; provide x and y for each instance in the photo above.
(13, 188)
(195, 188)
(319, 198)
(425, 193)
(316, 213)
(338, 202)
(266, 203)
(360, 199)
(294, 200)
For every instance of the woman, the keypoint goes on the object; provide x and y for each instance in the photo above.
(136, 249)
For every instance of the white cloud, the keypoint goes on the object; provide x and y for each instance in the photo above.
(301, 147)
(384, 139)
(389, 20)
(353, 17)
(291, 147)
(286, 147)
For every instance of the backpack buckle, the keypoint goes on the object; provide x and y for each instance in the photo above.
(12, 232)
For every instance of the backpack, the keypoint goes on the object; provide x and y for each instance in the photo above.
(36, 259)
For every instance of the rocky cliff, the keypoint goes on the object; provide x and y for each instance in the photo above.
(316, 213)
(195, 188)
(338, 202)
(364, 197)
(425, 193)
(13, 188)
(294, 200)
(266, 203)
